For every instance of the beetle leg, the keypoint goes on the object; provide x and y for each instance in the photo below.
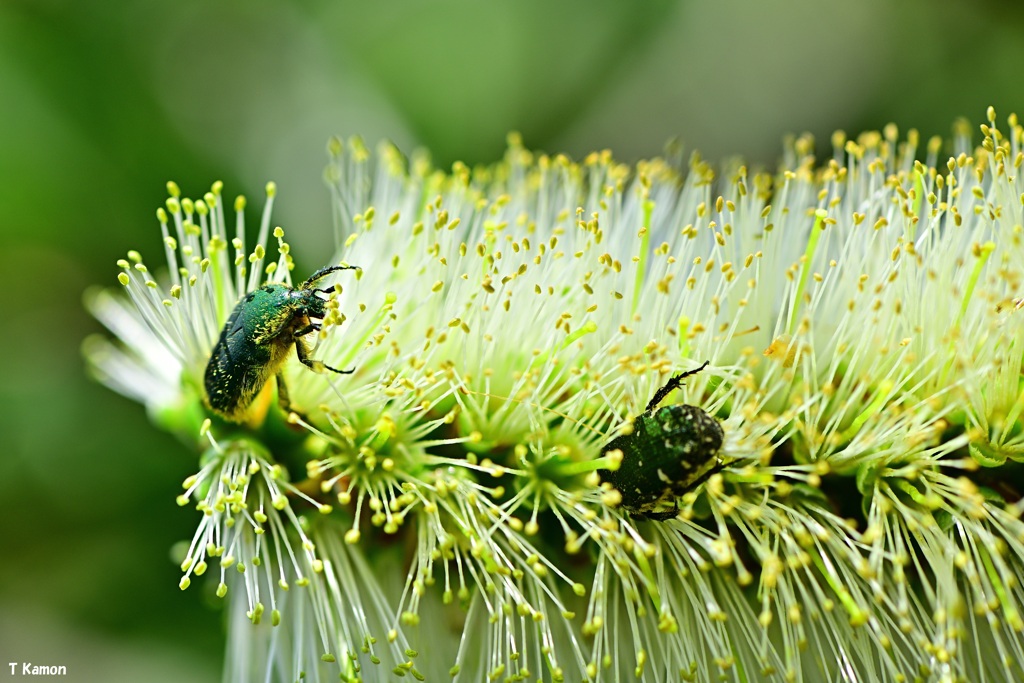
(671, 514)
(302, 351)
(282, 394)
(674, 512)
(664, 515)
(719, 466)
(303, 331)
(673, 383)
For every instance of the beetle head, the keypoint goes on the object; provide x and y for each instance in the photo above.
(314, 305)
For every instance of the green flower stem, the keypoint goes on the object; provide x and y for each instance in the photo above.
(796, 303)
(645, 242)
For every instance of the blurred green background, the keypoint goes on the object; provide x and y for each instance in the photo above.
(103, 102)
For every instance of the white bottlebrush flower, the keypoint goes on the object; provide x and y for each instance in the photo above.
(440, 511)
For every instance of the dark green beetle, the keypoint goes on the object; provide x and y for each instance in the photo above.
(669, 452)
(256, 340)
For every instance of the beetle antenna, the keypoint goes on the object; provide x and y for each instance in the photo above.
(322, 273)
(672, 384)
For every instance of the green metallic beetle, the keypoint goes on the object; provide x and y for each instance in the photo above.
(669, 452)
(256, 340)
